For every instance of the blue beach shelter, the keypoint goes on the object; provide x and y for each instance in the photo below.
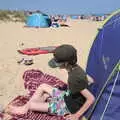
(38, 20)
(74, 17)
(104, 67)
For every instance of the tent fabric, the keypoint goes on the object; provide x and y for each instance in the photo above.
(32, 79)
(38, 20)
(103, 57)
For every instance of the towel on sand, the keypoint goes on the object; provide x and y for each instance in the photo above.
(32, 79)
(37, 51)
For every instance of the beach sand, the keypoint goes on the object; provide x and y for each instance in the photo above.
(15, 36)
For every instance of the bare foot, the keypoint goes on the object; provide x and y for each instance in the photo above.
(7, 117)
(19, 110)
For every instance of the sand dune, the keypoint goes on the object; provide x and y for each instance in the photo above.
(80, 34)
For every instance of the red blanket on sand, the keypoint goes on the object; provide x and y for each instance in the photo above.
(37, 51)
(32, 79)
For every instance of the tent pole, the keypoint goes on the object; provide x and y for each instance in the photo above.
(101, 118)
(116, 68)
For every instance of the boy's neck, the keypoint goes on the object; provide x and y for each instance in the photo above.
(69, 68)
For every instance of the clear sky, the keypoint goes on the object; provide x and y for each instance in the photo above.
(63, 6)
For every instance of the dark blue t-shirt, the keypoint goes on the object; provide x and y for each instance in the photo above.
(77, 81)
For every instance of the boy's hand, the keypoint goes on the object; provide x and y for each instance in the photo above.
(72, 117)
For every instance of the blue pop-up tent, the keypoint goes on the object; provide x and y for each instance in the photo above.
(104, 67)
(38, 20)
(74, 17)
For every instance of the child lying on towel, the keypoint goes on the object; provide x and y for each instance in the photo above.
(71, 103)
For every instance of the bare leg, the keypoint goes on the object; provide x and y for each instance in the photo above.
(34, 106)
(37, 101)
(41, 107)
(42, 93)
(17, 109)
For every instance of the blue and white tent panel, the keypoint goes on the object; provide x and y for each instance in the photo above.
(38, 20)
(103, 56)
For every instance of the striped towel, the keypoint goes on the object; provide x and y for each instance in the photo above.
(32, 79)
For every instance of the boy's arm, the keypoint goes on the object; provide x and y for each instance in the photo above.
(90, 80)
(89, 101)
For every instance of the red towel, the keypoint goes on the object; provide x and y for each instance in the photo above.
(32, 79)
(37, 51)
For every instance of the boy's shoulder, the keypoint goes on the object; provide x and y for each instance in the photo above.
(77, 71)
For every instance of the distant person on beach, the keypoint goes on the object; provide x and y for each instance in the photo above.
(72, 102)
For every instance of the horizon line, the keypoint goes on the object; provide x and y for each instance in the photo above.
(82, 13)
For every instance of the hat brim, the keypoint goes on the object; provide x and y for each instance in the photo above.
(53, 64)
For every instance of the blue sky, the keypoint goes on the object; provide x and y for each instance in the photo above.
(63, 6)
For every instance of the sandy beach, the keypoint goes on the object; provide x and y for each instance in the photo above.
(80, 34)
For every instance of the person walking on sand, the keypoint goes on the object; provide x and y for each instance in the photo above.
(71, 103)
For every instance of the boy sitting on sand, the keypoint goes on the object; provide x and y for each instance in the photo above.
(71, 103)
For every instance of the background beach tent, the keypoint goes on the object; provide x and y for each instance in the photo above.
(104, 65)
(38, 20)
(74, 17)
